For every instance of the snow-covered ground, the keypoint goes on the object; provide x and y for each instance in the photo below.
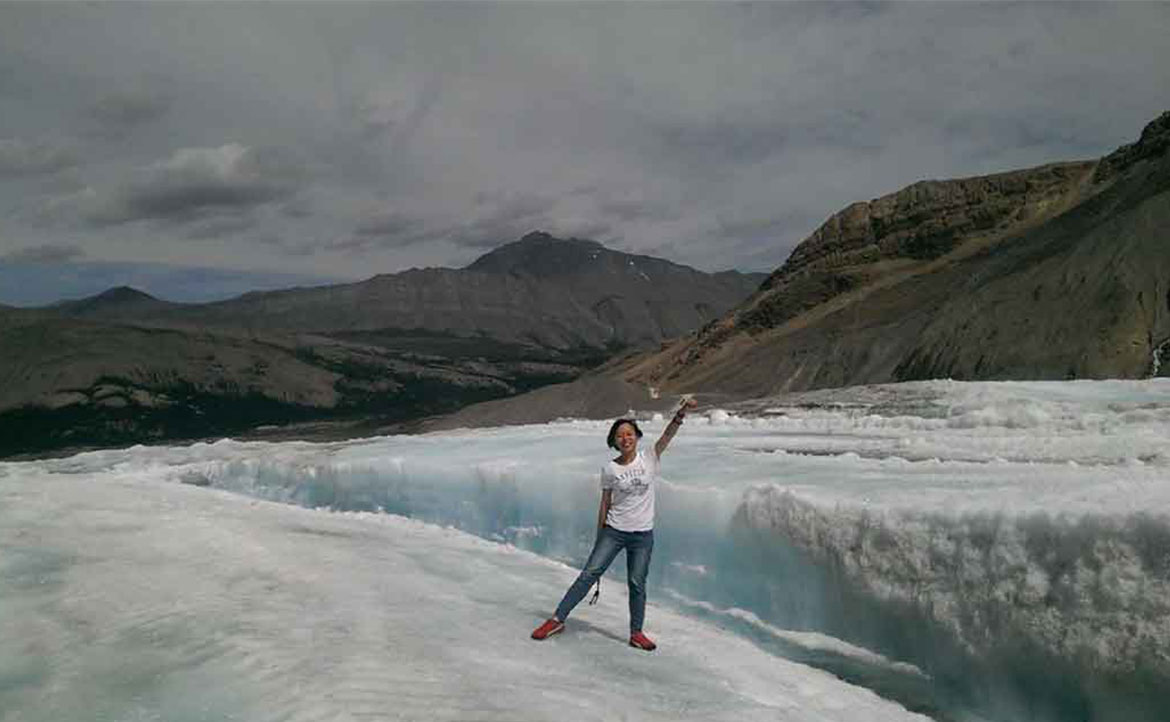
(970, 550)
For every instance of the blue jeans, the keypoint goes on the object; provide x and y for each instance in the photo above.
(610, 541)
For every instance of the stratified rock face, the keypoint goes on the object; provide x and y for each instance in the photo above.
(921, 222)
(1048, 273)
(929, 218)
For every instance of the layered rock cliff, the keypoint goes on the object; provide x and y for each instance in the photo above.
(928, 220)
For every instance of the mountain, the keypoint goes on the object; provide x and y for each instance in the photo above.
(113, 304)
(1055, 272)
(1048, 273)
(124, 367)
(542, 294)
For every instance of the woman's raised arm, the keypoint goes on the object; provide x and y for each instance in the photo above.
(672, 427)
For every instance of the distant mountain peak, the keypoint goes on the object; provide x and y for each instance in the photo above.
(538, 253)
(542, 238)
(121, 294)
(112, 298)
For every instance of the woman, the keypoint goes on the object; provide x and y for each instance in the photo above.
(625, 521)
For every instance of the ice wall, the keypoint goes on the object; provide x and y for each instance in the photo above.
(1093, 588)
(1017, 534)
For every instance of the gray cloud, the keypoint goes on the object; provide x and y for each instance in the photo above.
(719, 145)
(396, 113)
(20, 157)
(493, 221)
(383, 229)
(624, 210)
(350, 139)
(504, 219)
(222, 225)
(197, 182)
(48, 254)
(119, 113)
(391, 224)
(761, 228)
(297, 207)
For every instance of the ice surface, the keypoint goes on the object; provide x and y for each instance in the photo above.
(972, 550)
(125, 599)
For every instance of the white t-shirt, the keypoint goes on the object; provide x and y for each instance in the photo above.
(631, 505)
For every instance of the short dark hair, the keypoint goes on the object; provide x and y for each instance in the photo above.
(613, 431)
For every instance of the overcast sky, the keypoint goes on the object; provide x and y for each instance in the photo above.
(199, 150)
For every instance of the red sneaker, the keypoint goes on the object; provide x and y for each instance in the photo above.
(641, 641)
(550, 627)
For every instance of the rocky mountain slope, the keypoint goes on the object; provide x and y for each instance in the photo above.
(1055, 272)
(124, 367)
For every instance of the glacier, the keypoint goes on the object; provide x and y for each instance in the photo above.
(970, 551)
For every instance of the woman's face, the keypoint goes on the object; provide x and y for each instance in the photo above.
(626, 439)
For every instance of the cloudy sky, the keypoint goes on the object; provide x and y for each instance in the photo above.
(199, 150)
